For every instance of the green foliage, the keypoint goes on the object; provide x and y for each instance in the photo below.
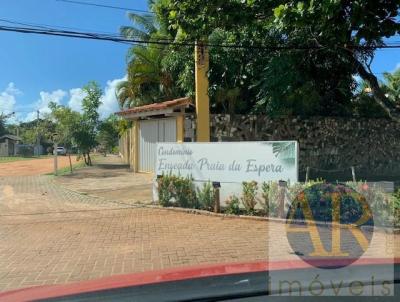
(381, 203)
(80, 130)
(185, 193)
(166, 189)
(334, 39)
(66, 123)
(85, 134)
(108, 133)
(269, 201)
(364, 103)
(232, 205)
(205, 196)
(2, 125)
(396, 208)
(265, 188)
(147, 81)
(249, 199)
(3, 119)
(179, 189)
(392, 85)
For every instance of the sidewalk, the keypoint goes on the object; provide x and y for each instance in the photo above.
(109, 178)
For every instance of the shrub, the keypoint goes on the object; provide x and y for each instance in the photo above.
(165, 189)
(269, 193)
(232, 205)
(265, 188)
(381, 203)
(185, 193)
(396, 208)
(205, 196)
(249, 196)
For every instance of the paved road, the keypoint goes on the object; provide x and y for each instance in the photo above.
(33, 167)
(52, 235)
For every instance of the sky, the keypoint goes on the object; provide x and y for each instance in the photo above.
(35, 70)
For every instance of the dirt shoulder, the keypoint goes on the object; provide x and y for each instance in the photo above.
(33, 166)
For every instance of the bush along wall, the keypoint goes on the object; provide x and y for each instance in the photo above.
(263, 199)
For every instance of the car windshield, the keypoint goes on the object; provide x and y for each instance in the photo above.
(254, 144)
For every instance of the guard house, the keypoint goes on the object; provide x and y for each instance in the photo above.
(159, 122)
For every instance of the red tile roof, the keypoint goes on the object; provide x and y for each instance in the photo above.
(157, 106)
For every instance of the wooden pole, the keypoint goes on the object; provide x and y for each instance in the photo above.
(217, 204)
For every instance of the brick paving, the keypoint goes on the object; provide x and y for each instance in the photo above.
(50, 235)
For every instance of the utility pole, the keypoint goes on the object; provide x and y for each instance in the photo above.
(38, 138)
(202, 98)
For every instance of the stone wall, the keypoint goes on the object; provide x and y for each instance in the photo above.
(328, 145)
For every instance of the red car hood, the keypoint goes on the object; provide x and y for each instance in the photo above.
(175, 274)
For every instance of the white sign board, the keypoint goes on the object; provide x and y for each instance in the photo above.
(230, 162)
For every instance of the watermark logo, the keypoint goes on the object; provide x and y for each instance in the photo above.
(329, 225)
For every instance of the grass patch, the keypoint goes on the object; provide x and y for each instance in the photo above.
(67, 170)
(75, 165)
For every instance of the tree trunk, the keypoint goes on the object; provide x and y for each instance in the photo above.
(377, 91)
(84, 158)
(89, 159)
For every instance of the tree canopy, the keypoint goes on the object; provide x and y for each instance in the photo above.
(290, 57)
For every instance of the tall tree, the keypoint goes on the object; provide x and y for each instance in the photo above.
(3, 120)
(86, 132)
(108, 133)
(323, 42)
(66, 123)
(147, 80)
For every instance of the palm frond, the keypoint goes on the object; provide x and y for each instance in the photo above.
(147, 22)
(134, 33)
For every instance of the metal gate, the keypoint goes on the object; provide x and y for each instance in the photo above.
(151, 132)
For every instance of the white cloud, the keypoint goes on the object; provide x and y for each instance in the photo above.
(109, 99)
(8, 98)
(397, 67)
(76, 97)
(109, 105)
(42, 104)
(109, 102)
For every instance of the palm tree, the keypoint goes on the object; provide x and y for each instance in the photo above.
(392, 85)
(147, 81)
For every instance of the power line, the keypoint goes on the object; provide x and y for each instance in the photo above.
(47, 26)
(119, 39)
(106, 6)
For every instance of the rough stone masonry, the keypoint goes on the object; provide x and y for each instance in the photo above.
(329, 146)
